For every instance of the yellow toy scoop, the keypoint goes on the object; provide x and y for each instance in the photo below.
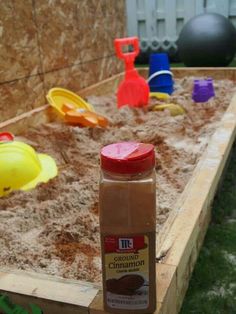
(174, 109)
(74, 109)
(158, 95)
(57, 97)
(85, 118)
(22, 168)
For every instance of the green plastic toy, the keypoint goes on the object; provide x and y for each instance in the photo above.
(7, 307)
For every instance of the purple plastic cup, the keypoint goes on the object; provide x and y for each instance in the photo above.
(203, 90)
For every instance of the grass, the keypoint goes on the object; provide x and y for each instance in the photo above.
(212, 289)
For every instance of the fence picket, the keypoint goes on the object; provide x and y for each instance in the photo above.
(159, 22)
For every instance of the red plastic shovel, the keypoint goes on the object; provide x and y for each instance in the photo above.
(134, 90)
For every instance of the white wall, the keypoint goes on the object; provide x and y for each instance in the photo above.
(159, 22)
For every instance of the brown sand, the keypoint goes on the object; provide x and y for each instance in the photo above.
(54, 228)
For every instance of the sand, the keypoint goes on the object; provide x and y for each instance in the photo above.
(54, 228)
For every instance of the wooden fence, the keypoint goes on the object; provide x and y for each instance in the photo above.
(159, 22)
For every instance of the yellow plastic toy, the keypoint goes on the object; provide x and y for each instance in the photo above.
(174, 109)
(74, 109)
(21, 168)
(158, 95)
(57, 97)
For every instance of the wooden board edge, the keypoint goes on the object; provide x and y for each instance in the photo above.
(174, 296)
(36, 116)
(187, 232)
(210, 161)
(15, 121)
(111, 83)
(166, 289)
(32, 287)
(45, 114)
(102, 87)
(164, 244)
(215, 73)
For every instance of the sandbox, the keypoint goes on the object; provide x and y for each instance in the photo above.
(53, 230)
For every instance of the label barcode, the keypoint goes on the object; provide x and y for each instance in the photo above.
(128, 302)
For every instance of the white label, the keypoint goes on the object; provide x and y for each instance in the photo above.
(137, 302)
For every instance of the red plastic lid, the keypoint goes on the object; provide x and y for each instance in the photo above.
(6, 137)
(128, 157)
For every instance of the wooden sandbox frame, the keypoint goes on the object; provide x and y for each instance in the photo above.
(181, 237)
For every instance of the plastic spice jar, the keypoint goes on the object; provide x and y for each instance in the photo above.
(127, 199)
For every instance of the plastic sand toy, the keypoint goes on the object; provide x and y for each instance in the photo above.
(57, 97)
(160, 77)
(85, 118)
(74, 109)
(157, 95)
(203, 90)
(133, 90)
(6, 137)
(21, 168)
(174, 109)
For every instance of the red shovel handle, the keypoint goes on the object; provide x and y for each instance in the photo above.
(128, 56)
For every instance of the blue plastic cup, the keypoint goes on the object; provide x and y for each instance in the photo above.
(160, 76)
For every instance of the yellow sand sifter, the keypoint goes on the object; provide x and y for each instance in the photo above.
(57, 97)
(74, 109)
(21, 168)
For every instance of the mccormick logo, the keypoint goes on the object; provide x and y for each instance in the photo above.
(118, 244)
(126, 244)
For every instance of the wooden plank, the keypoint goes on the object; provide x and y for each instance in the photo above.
(180, 238)
(161, 249)
(150, 19)
(166, 289)
(204, 181)
(197, 246)
(96, 307)
(189, 10)
(219, 73)
(191, 223)
(22, 122)
(132, 23)
(170, 9)
(110, 85)
(199, 7)
(45, 113)
(222, 7)
(102, 88)
(55, 293)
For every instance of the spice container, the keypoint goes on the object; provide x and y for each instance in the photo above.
(127, 199)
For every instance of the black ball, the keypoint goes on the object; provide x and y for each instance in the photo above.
(207, 40)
